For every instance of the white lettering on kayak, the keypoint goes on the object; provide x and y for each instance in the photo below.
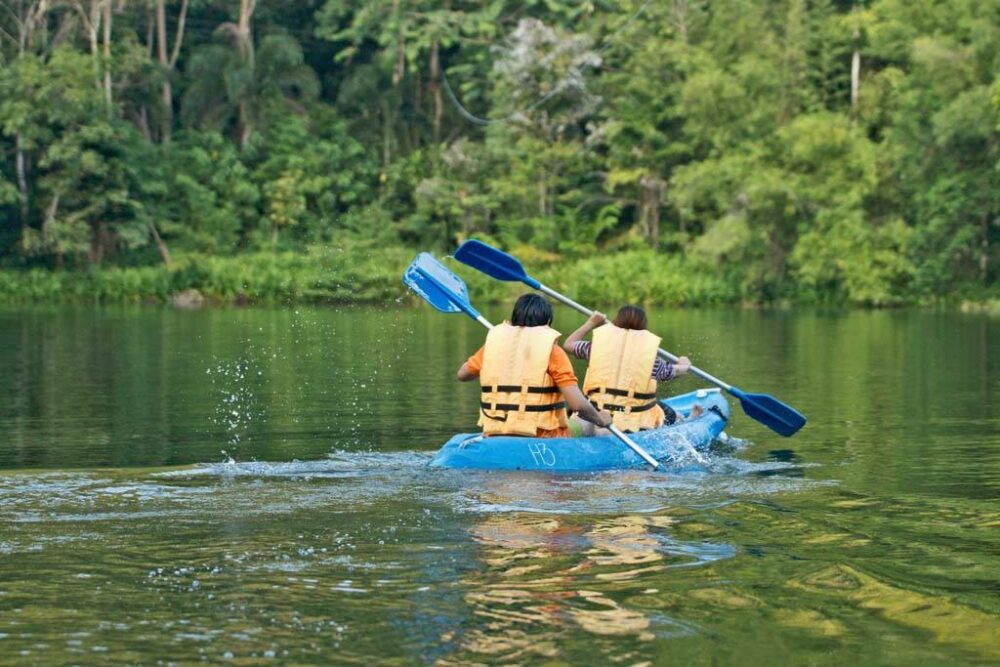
(542, 454)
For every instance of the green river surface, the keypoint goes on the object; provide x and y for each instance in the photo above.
(250, 486)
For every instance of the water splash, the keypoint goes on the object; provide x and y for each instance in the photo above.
(237, 409)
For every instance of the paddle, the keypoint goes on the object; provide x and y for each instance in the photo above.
(780, 418)
(447, 292)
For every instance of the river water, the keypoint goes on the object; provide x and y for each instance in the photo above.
(249, 486)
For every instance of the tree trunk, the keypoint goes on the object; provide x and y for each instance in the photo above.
(99, 240)
(160, 245)
(244, 125)
(167, 92)
(151, 25)
(855, 77)
(95, 255)
(435, 86)
(107, 54)
(142, 121)
(652, 195)
(93, 22)
(22, 185)
(50, 218)
(29, 16)
(397, 70)
(245, 45)
(179, 37)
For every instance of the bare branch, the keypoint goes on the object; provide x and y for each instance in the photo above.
(179, 37)
(4, 33)
(17, 17)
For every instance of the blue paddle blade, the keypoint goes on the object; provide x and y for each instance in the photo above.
(769, 411)
(494, 263)
(438, 286)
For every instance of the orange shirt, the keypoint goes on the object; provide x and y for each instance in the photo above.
(560, 370)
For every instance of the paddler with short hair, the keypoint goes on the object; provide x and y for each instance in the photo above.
(526, 378)
(623, 369)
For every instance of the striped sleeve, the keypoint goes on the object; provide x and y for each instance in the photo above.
(662, 371)
(581, 349)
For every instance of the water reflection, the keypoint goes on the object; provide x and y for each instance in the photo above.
(939, 616)
(546, 580)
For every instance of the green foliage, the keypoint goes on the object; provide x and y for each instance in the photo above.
(352, 271)
(87, 165)
(642, 277)
(310, 172)
(254, 81)
(692, 152)
(208, 198)
(349, 271)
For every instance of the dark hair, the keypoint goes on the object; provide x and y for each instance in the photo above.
(631, 317)
(531, 310)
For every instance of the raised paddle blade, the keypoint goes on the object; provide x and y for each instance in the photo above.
(494, 263)
(769, 411)
(438, 286)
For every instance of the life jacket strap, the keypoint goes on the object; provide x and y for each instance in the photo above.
(513, 407)
(623, 408)
(622, 392)
(516, 389)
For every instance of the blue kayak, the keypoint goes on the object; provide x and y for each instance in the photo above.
(605, 452)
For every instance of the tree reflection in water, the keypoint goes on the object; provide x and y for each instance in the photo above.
(545, 578)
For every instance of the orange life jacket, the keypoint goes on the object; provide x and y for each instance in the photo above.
(618, 377)
(518, 395)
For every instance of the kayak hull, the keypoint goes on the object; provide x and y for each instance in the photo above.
(583, 454)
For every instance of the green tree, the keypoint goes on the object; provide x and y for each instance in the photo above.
(86, 177)
(208, 200)
(253, 81)
(542, 101)
(940, 70)
(642, 128)
(311, 172)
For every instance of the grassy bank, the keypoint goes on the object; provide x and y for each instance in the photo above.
(359, 273)
(364, 272)
(327, 274)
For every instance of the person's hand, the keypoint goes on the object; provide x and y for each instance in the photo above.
(605, 419)
(682, 366)
(596, 319)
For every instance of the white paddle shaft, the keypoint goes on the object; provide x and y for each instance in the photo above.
(694, 370)
(633, 446)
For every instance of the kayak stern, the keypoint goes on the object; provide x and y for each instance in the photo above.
(591, 454)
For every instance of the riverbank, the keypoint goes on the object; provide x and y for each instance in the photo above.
(365, 273)
(356, 273)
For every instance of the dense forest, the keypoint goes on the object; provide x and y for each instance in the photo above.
(732, 150)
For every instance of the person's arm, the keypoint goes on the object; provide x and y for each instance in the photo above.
(470, 369)
(663, 371)
(561, 372)
(594, 321)
(681, 366)
(578, 403)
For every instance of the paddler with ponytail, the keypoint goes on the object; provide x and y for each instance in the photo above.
(623, 370)
(527, 380)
